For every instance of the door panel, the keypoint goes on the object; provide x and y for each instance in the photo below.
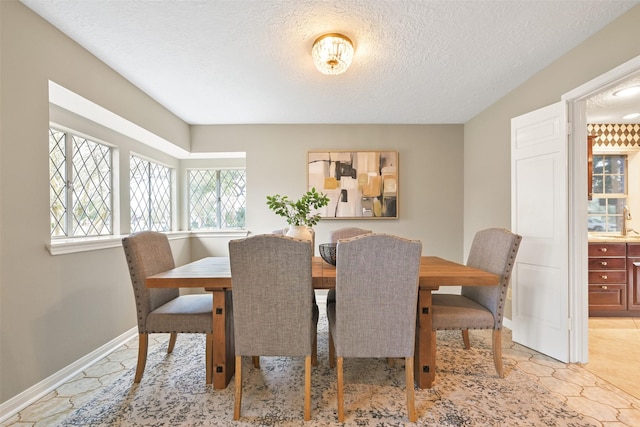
(539, 180)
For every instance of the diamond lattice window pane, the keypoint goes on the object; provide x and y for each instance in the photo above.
(91, 201)
(150, 187)
(160, 197)
(57, 183)
(139, 194)
(232, 198)
(203, 187)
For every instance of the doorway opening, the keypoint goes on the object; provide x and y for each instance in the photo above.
(578, 232)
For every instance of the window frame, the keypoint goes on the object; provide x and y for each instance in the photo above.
(218, 210)
(68, 191)
(611, 198)
(172, 189)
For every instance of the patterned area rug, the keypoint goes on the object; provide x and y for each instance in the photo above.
(467, 392)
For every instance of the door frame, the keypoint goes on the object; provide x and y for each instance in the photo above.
(578, 237)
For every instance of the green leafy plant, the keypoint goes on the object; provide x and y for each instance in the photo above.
(299, 212)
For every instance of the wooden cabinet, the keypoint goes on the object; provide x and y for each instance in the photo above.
(614, 279)
(607, 277)
(633, 276)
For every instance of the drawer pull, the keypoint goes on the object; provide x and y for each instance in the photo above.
(604, 287)
(604, 263)
(604, 277)
(603, 249)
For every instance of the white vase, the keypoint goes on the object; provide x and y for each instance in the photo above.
(300, 232)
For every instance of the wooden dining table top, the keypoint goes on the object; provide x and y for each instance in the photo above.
(215, 273)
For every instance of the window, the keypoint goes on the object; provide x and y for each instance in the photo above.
(217, 198)
(80, 180)
(609, 193)
(150, 194)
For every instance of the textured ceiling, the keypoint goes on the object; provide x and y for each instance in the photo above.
(249, 61)
(607, 108)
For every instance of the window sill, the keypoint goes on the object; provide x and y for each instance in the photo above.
(85, 244)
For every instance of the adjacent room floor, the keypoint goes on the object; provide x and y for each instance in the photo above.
(614, 351)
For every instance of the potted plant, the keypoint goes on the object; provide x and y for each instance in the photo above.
(298, 213)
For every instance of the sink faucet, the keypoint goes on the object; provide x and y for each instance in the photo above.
(626, 216)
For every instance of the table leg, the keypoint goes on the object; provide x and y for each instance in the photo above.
(223, 341)
(425, 350)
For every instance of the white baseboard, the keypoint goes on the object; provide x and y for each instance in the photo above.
(507, 323)
(35, 392)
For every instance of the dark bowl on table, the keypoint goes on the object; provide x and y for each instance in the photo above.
(328, 252)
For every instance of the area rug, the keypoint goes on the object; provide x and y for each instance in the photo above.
(467, 392)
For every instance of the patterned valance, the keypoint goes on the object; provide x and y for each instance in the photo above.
(622, 135)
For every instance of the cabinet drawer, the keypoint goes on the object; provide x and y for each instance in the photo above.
(607, 249)
(615, 276)
(607, 264)
(607, 297)
(633, 250)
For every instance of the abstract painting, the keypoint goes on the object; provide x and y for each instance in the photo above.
(360, 184)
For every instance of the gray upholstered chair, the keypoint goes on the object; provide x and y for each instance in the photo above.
(314, 356)
(164, 310)
(273, 310)
(375, 310)
(334, 236)
(481, 307)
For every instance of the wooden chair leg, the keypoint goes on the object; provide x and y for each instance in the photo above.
(340, 391)
(314, 350)
(143, 344)
(172, 341)
(411, 405)
(209, 358)
(256, 361)
(307, 388)
(332, 352)
(465, 339)
(497, 352)
(238, 397)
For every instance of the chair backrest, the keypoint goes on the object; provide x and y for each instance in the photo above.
(346, 233)
(493, 250)
(148, 253)
(376, 296)
(272, 295)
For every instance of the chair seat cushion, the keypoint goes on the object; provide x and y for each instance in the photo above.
(459, 312)
(185, 314)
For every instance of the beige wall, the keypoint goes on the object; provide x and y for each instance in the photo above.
(487, 137)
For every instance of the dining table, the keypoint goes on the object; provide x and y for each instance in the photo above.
(214, 275)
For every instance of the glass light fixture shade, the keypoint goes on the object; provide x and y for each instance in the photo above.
(630, 91)
(332, 53)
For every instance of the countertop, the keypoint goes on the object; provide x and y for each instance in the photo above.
(614, 238)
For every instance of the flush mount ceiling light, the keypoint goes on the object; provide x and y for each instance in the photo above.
(633, 90)
(332, 53)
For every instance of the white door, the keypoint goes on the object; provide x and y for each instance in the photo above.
(539, 213)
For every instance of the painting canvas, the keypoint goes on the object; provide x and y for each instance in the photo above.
(360, 184)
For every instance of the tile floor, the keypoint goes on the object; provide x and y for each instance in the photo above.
(606, 392)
